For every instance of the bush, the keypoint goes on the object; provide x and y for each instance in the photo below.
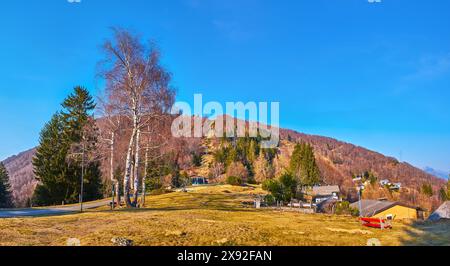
(270, 185)
(270, 200)
(234, 181)
(153, 184)
(276, 188)
(251, 181)
(343, 208)
(354, 212)
(283, 189)
(289, 185)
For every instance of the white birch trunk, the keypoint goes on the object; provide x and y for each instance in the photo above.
(132, 174)
(114, 181)
(126, 180)
(144, 178)
(111, 169)
(136, 167)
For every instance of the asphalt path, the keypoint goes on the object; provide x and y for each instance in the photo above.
(51, 211)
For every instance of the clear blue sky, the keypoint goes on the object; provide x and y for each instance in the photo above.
(376, 75)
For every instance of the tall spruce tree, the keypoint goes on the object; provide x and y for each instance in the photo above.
(5, 188)
(50, 165)
(77, 113)
(303, 165)
(81, 131)
(56, 167)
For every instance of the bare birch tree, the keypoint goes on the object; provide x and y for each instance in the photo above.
(137, 87)
(113, 125)
(155, 139)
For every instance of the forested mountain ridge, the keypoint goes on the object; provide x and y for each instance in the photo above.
(338, 162)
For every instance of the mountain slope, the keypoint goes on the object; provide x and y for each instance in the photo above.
(337, 161)
(350, 159)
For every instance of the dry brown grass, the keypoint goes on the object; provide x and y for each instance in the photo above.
(210, 216)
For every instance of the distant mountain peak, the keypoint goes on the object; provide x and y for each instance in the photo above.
(436, 173)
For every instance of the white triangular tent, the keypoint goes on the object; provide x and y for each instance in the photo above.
(443, 213)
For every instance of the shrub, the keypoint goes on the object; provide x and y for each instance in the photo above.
(275, 188)
(270, 185)
(270, 200)
(344, 208)
(282, 189)
(153, 184)
(289, 184)
(251, 181)
(354, 212)
(234, 181)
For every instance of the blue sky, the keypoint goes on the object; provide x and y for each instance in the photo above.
(376, 75)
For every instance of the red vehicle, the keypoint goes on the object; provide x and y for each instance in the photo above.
(376, 223)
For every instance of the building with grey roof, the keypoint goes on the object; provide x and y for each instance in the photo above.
(387, 209)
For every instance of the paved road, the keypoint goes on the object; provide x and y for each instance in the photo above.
(51, 211)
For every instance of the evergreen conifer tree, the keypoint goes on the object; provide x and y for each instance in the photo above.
(56, 168)
(50, 167)
(303, 165)
(5, 189)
